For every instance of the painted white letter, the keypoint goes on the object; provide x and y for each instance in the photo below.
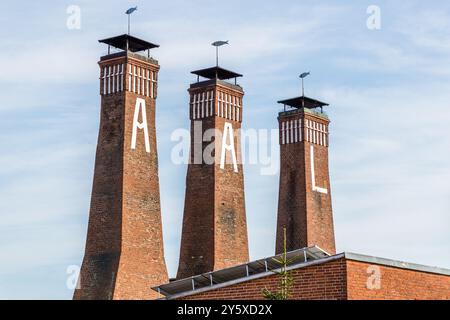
(228, 131)
(140, 105)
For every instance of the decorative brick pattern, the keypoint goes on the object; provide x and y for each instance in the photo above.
(298, 129)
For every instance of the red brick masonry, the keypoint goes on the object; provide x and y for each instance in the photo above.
(305, 214)
(214, 232)
(344, 276)
(124, 253)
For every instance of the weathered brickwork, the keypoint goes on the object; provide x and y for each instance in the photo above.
(395, 284)
(342, 279)
(324, 281)
(214, 232)
(124, 247)
(305, 212)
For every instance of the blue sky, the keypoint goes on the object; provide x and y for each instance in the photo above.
(389, 96)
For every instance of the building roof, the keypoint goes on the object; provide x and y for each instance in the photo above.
(395, 263)
(303, 102)
(241, 272)
(216, 73)
(256, 269)
(134, 44)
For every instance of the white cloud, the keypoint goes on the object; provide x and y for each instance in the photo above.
(65, 61)
(389, 162)
(389, 110)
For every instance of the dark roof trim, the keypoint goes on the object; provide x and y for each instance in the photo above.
(216, 73)
(396, 263)
(134, 44)
(303, 102)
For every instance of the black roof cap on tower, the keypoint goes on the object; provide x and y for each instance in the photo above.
(216, 72)
(303, 102)
(134, 44)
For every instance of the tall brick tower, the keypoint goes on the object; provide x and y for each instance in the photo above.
(124, 248)
(304, 201)
(214, 222)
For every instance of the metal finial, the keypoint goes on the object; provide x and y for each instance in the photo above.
(128, 13)
(218, 44)
(303, 76)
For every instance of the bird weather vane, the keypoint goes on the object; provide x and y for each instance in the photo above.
(303, 76)
(218, 44)
(128, 13)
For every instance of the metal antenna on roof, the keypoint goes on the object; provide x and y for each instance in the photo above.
(128, 13)
(303, 76)
(218, 44)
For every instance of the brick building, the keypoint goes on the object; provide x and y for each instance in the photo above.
(124, 256)
(345, 276)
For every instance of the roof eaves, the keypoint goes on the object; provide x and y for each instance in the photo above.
(395, 263)
(253, 277)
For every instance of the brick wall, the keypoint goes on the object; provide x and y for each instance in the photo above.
(305, 213)
(231, 239)
(395, 283)
(197, 240)
(124, 247)
(324, 281)
(342, 279)
(103, 242)
(214, 232)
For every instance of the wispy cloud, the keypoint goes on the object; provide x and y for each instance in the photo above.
(390, 168)
(388, 91)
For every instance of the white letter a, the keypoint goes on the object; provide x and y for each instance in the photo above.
(140, 106)
(228, 131)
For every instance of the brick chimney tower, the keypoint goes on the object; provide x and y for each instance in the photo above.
(214, 222)
(124, 254)
(304, 201)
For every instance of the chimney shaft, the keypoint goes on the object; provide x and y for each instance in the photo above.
(124, 254)
(304, 202)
